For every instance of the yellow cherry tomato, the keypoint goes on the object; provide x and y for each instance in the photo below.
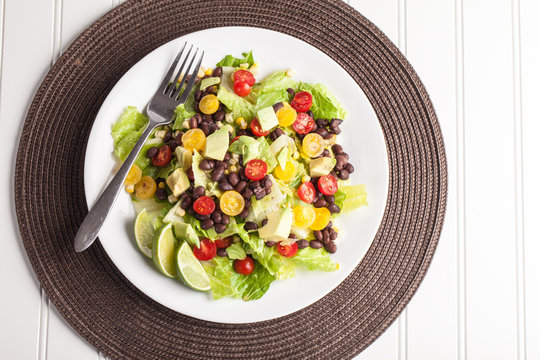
(285, 174)
(146, 188)
(322, 218)
(303, 216)
(286, 115)
(134, 175)
(209, 104)
(313, 145)
(231, 203)
(194, 139)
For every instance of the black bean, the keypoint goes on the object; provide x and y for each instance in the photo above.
(291, 92)
(264, 222)
(341, 161)
(240, 186)
(191, 211)
(212, 128)
(322, 131)
(233, 179)
(167, 137)
(310, 113)
(328, 136)
(197, 95)
(268, 184)
(333, 173)
(350, 168)
(343, 174)
(329, 225)
(225, 185)
(326, 153)
(221, 252)
(179, 138)
(316, 244)
(329, 199)
(202, 217)
(250, 225)
(337, 149)
(277, 106)
(198, 117)
(244, 214)
(220, 228)
(279, 132)
(319, 195)
(173, 144)
(190, 175)
(217, 72)
(300, 136)
(161, 194)
(272, 136)
(153, 151)
(198, 192)
(317, 234)
(247, 193)
(333, 234)
(336, 130)
(247, 203)
(218, 173)
(322, 122)
(331, 247)
(216, 216)
(241, 132)
(270, 243)
(335, 122)
(219, 115)
(254, 184)
(227, 156)
(206, 164)
(207, 224)
(319, 203)
(225, 219)
(267, 191)
(302, 244)
(259, 193)
(293, 236)
(334, 209)
(205, 128)
(325, 236)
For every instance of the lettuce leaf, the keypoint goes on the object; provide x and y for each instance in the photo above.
(130, 121)
(271, 98)
(229, 60)
(181, 115)
(219, 272)
(351, 197)
(315, 259)
(250, 149)
(325, 105)
(239, 106)
(275, 82)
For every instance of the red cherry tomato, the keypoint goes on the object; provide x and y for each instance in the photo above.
(244, 75)
(328, 184)
(244, 266)
(206, 250)
(204, 205)
(241, 88)
(223, 243)
(256, 169)
(303, 123)
(257, 129)
(163, 157)
(302, 101)
(287, 250)
(306, 192)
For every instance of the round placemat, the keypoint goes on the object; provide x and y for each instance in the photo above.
(115, 317)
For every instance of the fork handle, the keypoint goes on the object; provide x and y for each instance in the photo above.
(89, 229)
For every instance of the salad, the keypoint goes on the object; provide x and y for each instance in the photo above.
(245, 185)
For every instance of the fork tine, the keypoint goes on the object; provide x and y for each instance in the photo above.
(179, 73)
(165, 83)
(185, 75)
(191, 81)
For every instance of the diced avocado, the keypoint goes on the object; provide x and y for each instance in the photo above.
(178, 181)
(281, 142)
(209, 82)
(267, 118)
(321, 166)
(184, 156)
(278, 227)
(184, 231)
(217, 144)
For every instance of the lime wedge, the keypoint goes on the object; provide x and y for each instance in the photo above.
(163, 251)
(190, 270)
(144, 233)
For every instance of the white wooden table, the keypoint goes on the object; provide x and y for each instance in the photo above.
(479, 60)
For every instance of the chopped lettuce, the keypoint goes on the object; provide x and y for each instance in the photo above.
(229, 60)
(239, 106)
(236, 251)
(271, 98)
(181, 115)
(264, 153)
(130, 121)
(325, 105)
(219, 272)
(351, 197)
(315, 259)
(243, 145)
(250, 149)
(275, 82)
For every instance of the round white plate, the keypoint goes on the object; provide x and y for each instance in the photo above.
(361, 137)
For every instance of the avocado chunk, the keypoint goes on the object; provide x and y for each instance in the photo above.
(178, 182)
(184, 156)
(267, 118)
(209, 82)
(278, 227)
(217, 144)
(321, 166)
(184, 231)
(281, 142)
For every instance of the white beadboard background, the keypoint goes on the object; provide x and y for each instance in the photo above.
(479, 60)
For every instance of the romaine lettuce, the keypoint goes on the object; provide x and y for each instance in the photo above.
(181, 115)
(325, 105)
(130, 121)
(230, 60)
(275, 82)
(351, 197)
(315, 259)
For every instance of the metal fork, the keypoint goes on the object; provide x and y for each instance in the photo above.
(160, 111)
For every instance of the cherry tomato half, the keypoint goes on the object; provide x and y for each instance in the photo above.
(287, 250)
(163, 157)
(204, 205)
(223, 243)
(241, 88)
(244, 75)
(328, 185)
(306, 192)
(256, 169)
(256, 128)
(206, 250)
(303, 123)
(244, 266)
(302, 101)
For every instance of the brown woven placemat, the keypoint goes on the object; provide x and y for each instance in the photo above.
(115, 317)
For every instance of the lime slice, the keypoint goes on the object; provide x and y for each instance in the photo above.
(144, 233)
(163, 251)
(190, 270)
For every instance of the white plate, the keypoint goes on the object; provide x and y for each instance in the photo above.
(362, 138)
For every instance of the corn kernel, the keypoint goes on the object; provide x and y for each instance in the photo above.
(130, 188)
(239, 120)
(200, 74)
(160, 134)
(208, 72)
(180, 211)
(234, 168)
(244, 66)
(229, 117)
(229, 128)
(227, 172)
(161, 185)
(185, 124)
(306, 178)
(243, 125)
(172, 199)
(219, 124)
(290, 73)
(296, 155)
